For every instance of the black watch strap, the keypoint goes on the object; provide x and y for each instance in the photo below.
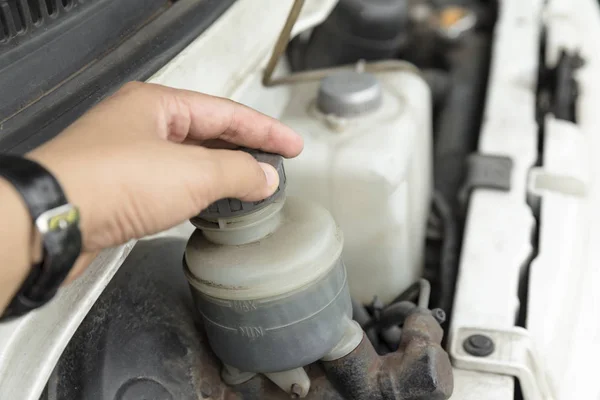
(58, 224)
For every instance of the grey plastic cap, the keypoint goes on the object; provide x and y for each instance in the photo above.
(349, 93)
(229, 208)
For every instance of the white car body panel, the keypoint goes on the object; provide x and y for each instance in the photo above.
(564, 300)
(563, 303)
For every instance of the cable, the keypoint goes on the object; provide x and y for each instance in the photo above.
(282, 42)
(382, 323)
(394, 314)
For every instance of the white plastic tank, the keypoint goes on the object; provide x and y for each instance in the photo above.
(368, 159)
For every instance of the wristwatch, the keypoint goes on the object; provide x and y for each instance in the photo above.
(57, 222)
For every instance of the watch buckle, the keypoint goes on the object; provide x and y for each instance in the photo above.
(59, 218)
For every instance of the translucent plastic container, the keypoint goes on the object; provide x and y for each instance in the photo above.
(268, 279)
(270, 286)
(368, 159)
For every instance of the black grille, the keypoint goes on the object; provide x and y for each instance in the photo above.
(23, 17)
(60, 57)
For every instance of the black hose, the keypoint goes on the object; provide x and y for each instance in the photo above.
(449, 252)
(395, 314)
(457, 128)
(439, 84)
(359, 313)
(382, 323)
(391, 337)
(420, 289)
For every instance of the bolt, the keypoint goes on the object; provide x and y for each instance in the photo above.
(296, 391)
(439, 315)
(479, 345)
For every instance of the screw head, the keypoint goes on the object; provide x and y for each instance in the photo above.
(479, 345)
(439, 315)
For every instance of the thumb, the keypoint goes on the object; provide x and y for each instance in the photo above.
(236, 174)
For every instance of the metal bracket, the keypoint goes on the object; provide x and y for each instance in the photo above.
(486, 171)
(318, 74)
(514, 354)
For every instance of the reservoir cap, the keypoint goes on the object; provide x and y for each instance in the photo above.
(230, 208)
(349, 93)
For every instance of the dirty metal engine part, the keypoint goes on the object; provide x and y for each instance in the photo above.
(142, 337)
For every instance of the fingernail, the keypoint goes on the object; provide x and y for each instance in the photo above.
(271, 175)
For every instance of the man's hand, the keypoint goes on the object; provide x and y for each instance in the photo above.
(140, 162)
(150, 157)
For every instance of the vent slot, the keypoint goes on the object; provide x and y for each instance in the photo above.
(21, 17)
(35, 11)
(7, 20)
(3, 26)
(17, 16)
(14, 18)
(51, 7)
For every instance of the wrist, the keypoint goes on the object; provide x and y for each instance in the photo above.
(46, 239)
(68, 179)
(22, 241)
(53, 160)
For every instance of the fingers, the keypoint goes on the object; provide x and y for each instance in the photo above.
(200, 117)
(243, 126)
(234, 174)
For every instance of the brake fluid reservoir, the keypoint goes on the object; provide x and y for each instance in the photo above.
(269, 281)
(367, 158)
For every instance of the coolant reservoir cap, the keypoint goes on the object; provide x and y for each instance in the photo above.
(349, 93)
(231, 208)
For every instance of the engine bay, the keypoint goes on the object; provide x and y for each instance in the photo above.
(364, 80)
(446, 140)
